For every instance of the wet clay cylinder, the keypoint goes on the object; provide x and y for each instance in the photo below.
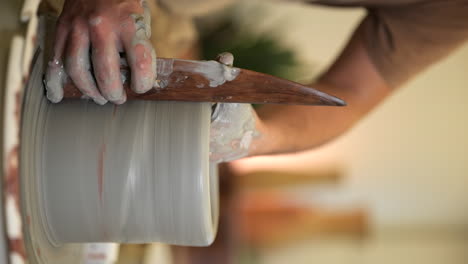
(135, 173)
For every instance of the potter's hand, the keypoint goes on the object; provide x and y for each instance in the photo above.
(89, 36)
(233, 127)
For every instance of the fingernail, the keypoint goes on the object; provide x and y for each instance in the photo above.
(99, 100)
(122, 100)
(226, 58)
(115, 95)
(53, 80)
(144, 85)
(53, 97)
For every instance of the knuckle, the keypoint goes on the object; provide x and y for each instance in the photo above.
(99, 27)
(77, 23)
(95, 19)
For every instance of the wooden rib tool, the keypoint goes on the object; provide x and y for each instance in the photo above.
(210, 81)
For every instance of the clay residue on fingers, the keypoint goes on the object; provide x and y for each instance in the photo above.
(78, 66)
(55, 79)
(232, 131)
(95, 21)
(145, 64)
(106, 64)
(225, 58)
(141, 56)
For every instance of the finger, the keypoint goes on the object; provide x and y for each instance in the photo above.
(147, 18)
(61, 33)
(105, 59)
(77, 63)
(225, 58)
(141, 56)
(55, 76)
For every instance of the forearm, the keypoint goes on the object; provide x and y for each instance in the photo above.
(352, 77)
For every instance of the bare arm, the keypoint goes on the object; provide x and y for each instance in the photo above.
(393, 44)
(352, 77)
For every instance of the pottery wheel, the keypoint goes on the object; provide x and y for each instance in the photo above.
(135, 173)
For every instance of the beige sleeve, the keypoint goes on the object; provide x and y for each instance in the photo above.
(194, 7)
(404, 40)
(172, 35)
(53, 7)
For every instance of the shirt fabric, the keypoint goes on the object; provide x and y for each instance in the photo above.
(402, 37)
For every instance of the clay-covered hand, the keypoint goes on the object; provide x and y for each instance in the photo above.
(90, 35)
(233, 126)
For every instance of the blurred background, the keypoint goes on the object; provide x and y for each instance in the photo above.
(392, 190)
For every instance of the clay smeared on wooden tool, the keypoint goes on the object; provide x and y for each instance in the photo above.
(233, 125)
(216, 73)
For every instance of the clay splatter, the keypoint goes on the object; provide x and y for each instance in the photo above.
(114, 111)
(100, 173)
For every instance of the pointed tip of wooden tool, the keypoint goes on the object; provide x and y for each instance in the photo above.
(335, 101)
(326, 99)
